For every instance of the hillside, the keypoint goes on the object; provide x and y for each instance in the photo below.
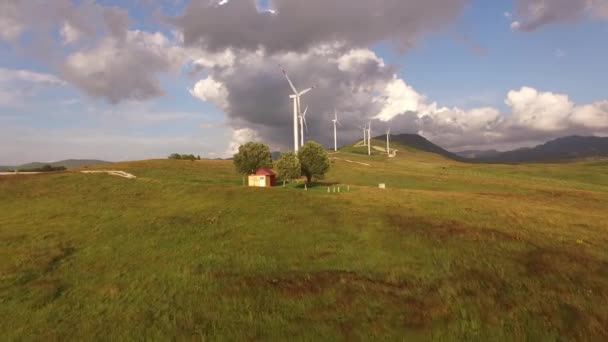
(417, 142)
(449, 251)
(69, 164)
(471, 154)
(558, 150)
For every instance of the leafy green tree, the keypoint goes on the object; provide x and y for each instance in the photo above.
(288, 167)
(175, 156)
(198, 157)
(252, 157)
(314, 160)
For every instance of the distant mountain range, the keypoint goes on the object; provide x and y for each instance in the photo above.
(559, 150)
(69, 164)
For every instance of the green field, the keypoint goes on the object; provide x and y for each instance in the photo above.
(449, 251)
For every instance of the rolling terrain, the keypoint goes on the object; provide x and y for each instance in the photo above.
(449, 251)
(566, 149)
(68, 163)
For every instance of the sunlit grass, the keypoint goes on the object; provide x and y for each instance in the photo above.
(448, 251)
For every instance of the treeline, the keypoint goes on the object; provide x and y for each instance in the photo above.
(45, 168)
(177, 156)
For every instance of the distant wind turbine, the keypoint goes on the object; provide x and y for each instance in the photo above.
(364, 128)
(369, 139)
(303, 125)
(388, 134)
(296, 107)
(335, 121)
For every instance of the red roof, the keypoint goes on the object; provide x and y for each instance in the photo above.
(265, 172)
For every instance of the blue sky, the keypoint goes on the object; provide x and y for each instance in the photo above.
(473, 62)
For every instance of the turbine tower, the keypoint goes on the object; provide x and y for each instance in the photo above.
(369, 139)
(335, 121)
(303, 125)
(296, 107)
(388, 133)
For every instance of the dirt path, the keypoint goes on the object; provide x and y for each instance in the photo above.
(350, 161)
(113, 173)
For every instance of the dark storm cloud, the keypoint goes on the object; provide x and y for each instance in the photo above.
(296, 25)
(347, 80)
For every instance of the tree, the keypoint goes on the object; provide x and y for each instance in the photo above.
(252, 157)
(198, 157)
(289, 167)
(314, 160)
(175, 156)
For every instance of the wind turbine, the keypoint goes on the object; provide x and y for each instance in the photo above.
(388, 133)
(303, 124)
(296, 107)
(369, 139)
(364, 128)
(335, 121)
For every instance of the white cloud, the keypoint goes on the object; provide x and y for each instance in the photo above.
(593, 116)
(357, 58)
(13, 75)
(543, 111)
(126, 69)
(241, 137)
(70, 34)
(212, 91)
(397, 98)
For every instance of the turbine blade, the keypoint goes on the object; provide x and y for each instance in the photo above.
(305, 124)
(306, 90)
(295, 91)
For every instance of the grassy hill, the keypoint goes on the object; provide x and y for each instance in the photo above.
(449, 251)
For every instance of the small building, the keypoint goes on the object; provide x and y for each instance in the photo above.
(263, 178)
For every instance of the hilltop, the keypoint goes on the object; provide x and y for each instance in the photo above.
(566, 149)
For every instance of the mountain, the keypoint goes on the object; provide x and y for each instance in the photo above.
(478, 153)
(558, 150)
(420, 143)
(69, 163)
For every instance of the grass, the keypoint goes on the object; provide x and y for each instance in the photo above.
(449, 252)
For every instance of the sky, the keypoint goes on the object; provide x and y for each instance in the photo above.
(137, 79)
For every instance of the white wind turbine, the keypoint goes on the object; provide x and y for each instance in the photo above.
(364, 128)
(335, 121)
(296, 107)
(388, 134)
(303, 125)
(369, 139)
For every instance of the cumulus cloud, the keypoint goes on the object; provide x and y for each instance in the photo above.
(241, 137)
(212, 91)
(105, 59)
(533, 14)
(294, 25)
(361, 87)
(123, 69)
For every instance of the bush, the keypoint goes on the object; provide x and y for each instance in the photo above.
(177, 156)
